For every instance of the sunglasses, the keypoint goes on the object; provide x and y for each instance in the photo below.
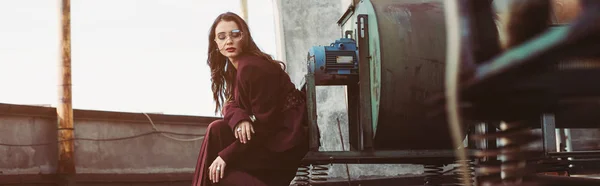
(234, 34)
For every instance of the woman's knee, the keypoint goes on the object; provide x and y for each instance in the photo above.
(218, 125)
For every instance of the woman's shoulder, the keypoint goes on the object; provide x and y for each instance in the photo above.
(251, 62)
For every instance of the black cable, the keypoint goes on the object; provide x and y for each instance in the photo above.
(343, 149)
(90, 139)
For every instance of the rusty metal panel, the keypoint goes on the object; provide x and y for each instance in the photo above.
(407, 55)
(413, 50)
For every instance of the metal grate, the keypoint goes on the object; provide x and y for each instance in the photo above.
(331, 56)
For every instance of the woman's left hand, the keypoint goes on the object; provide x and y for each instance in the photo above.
(216, 170)
(243, 131)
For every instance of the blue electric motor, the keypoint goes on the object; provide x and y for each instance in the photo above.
(334, 64)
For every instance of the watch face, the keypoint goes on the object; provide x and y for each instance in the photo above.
(252, 118)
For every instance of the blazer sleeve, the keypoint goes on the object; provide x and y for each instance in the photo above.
(233, 114)
(260, 86)
(257, 87)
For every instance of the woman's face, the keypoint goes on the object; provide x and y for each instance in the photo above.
(228, 37)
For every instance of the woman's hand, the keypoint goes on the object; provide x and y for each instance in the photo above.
(216, 170)
(243, 131)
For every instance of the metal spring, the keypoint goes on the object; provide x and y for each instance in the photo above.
(506, 164)
(307, 174)
(433, 174)
(470, 171)
(302, 176)
(319, 172)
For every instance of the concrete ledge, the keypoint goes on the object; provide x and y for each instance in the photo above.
(79, 114)
(105, 142)
(97, 178)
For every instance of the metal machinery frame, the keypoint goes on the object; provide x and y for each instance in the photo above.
(510, 91)
(505, 94)
(360, 120)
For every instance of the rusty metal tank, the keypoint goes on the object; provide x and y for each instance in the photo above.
(406, 54)
(407, 48)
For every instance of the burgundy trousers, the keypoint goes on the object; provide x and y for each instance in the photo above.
(253, 168)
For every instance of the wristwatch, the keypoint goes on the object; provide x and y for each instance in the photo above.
(252, 118)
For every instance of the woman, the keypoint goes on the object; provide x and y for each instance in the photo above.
(261, 139)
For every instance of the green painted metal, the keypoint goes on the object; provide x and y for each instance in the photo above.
(544, 43)
(365, 7)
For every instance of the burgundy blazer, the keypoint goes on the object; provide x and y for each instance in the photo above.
(261, 89)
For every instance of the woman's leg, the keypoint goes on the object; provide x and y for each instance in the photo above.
(218, 136)
(274, 177)
(235, 177)
(276, 169)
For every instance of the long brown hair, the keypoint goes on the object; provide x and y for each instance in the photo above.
(223, 75)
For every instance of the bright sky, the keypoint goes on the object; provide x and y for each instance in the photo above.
(127, 55)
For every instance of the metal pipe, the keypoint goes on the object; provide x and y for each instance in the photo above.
(568, 140)
(562, 180)
(575, 154)
(453, 24)
(64, 110)
(382, 157)
(244, 8)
